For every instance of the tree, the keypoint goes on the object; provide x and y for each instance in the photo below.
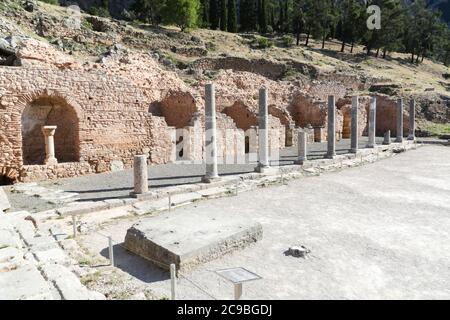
(299, 18)
(204, 16)
(352, 22)
(182, 13)
(232, 16)
(148, 10)
(248, 15)
(223, 15)
(262, 16)
(214, 13)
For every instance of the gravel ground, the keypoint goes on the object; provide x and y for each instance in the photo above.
(375, 232)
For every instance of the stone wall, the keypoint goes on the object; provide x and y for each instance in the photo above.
(387, 116)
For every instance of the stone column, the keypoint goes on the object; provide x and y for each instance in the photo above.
(387, 138)
(212, 171)
(49, 133)
(412, 120)
(372, 122)
(302, 147)
(355, 133)
(399, 120)
(140, 175)
(331, 153)
(263, 150)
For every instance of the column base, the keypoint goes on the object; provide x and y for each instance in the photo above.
(266, 170)
(330, 155)
(399, 140)
(137, 195)
(411, 138)
(50, 161)
(354, 150)
(371, 146)
(208, 179)
(301, 161)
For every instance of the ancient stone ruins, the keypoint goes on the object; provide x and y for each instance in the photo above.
(74, 120)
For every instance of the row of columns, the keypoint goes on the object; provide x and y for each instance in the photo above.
(211, 172)
(331, 145)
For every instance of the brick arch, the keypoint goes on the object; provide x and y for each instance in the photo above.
(285, 117)
(177, 108)
(25, 99)
(48, 107)
(241, 115)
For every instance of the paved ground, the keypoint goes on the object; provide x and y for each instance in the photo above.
(381, 231)
(120, 184)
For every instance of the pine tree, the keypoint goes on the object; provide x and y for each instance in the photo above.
(262, 16)
(352, 22)
(232, 16)
(223, 15)
(298, 18)
(204, 9)
(214, 14)
(248, 15)
(281, 20)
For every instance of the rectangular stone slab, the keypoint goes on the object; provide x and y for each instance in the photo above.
(188, 239)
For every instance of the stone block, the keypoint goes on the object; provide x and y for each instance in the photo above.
(179, 237)
(25, 283)
(68, 284)
(4, 201)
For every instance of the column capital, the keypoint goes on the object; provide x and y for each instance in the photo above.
(49, 130)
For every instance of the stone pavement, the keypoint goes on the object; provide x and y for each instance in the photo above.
(34, 265)
(114, 186)
(380, 231)
(40, 254)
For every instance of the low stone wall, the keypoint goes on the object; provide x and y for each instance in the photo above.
(62, 170)
(266, 68)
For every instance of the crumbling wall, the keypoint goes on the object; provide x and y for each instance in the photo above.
(113, 122)
(387, 116)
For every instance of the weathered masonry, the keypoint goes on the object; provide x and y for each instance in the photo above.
(98, 122)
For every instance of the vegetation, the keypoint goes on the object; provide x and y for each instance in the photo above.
(414, 29)
(263, 42)
(54, 2)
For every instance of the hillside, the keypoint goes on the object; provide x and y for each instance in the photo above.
(199, 56)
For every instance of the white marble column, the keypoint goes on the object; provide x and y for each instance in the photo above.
(355, 133)
(331, 138)
(302, 147)
(49, 133)
(263, 132)
(212, 172)
(140, 175)
(399, 120)
(412, 120)
(387, 138)
(372, 122)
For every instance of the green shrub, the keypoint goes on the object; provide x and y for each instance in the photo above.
(99, 12)
(264, 42)
(288, 40)
(55, 2)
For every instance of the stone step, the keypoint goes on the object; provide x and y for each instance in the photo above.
(24, 283)
(68, 284)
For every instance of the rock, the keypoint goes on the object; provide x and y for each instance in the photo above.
(138, 296)
(10, 259)
(117, 165)
(30, 5)
(4, 201)
(179, 237)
